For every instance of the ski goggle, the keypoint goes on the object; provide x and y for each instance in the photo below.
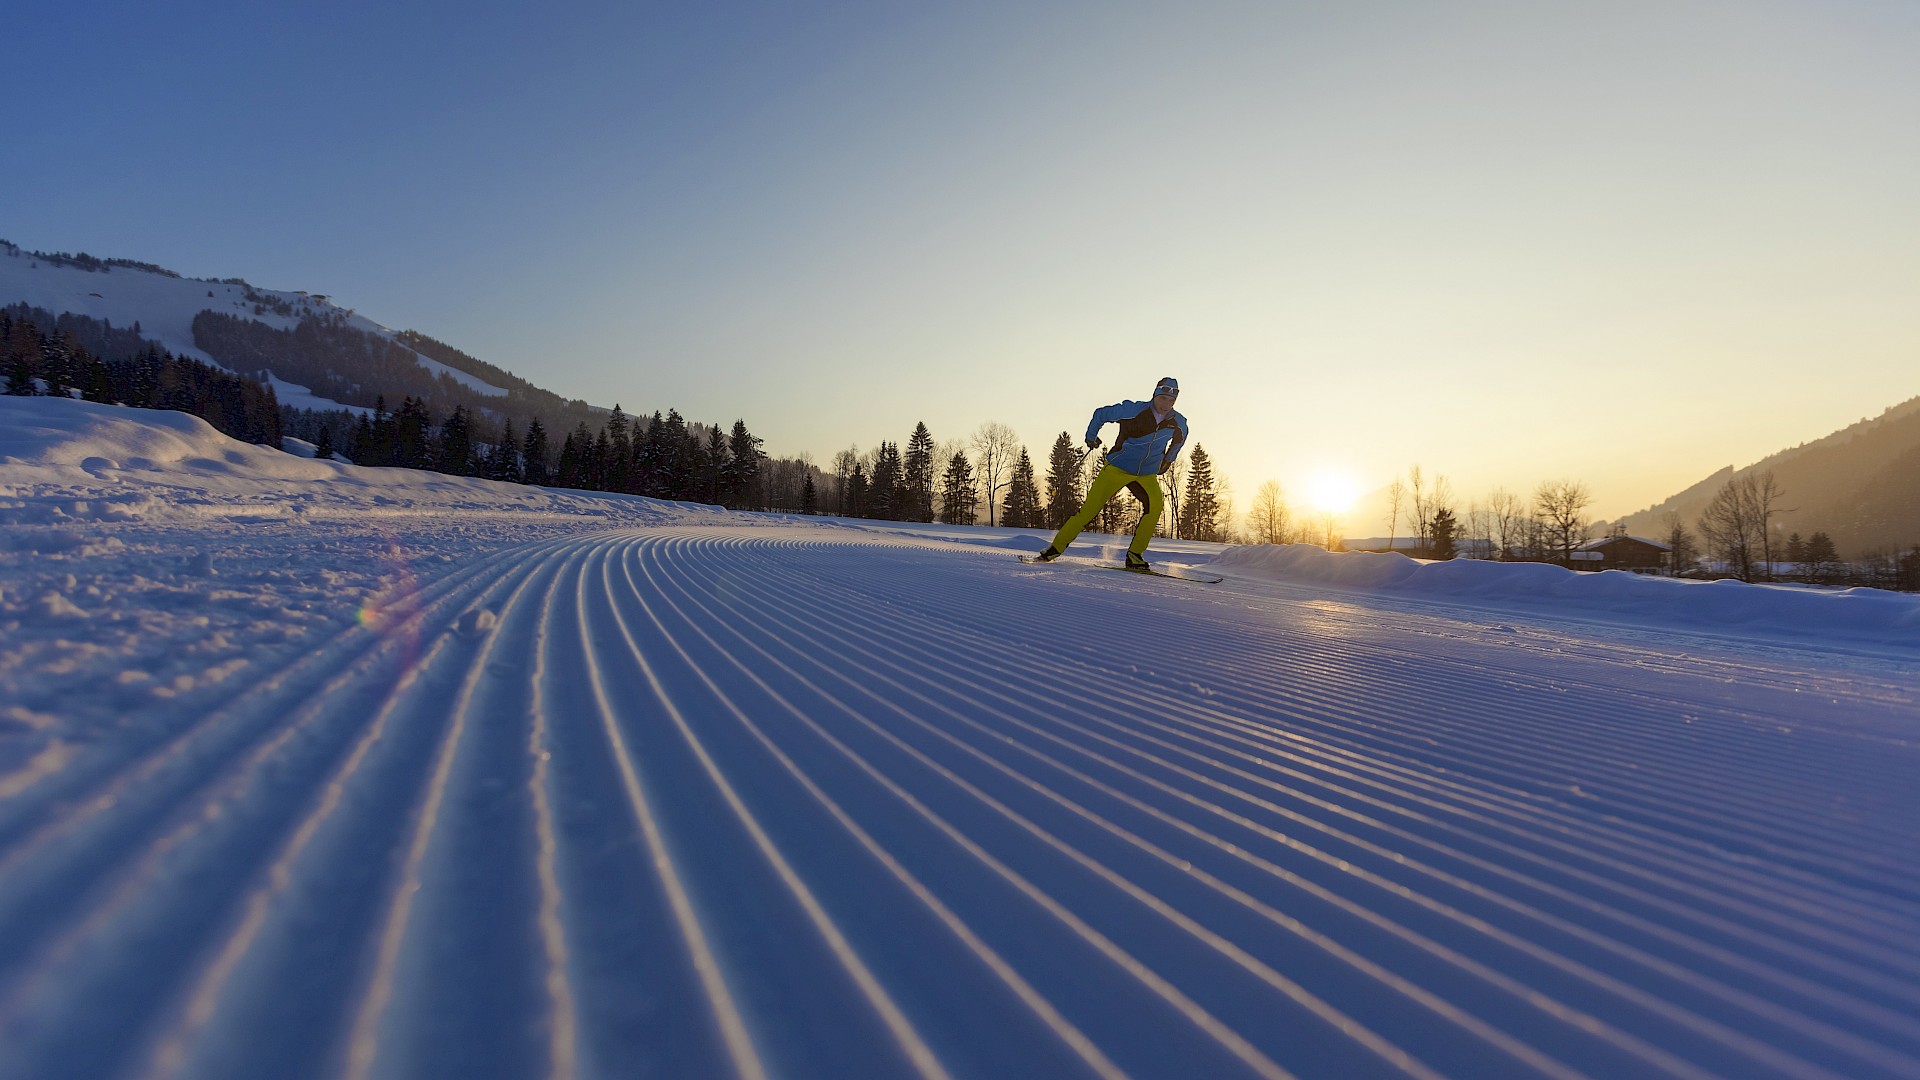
(1164, 390)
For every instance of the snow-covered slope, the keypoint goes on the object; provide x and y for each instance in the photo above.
(443, 777)
(164, 307)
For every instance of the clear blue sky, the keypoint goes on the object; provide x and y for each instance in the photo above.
(1629, 243)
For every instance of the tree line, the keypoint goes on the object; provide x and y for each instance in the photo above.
(58, 365)
(991, 478)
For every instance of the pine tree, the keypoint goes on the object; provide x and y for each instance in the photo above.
(533, 454)
(809, 498)
(362, 446)
(917, 475)
(453, 453)
(959, 493)
(20, 376)
(1199, 506)
(741, 474)
(1023, 509)
(597, 457)
(1440, 535)
(884, 489)
(714, 460)
(1063, 482)
(1822, 560)
(573, 457)
(618, 466)
(649, 455)
(410, 427)
(856, 494)
(503, 463)
(323, 445)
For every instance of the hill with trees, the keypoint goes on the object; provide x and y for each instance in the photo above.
(1860, 486)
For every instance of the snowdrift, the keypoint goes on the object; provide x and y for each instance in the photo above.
(64, 460)
(1803, 612)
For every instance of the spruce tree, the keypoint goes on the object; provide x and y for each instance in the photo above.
(714, 460)
(504, 463)
(597, 457)
(809, 498)
(618, 466)
(1023, 509)
(1440, 535)
(453, 454)
(959, 493)
(533, 454)
(20, 376)
(1199, 506)
(917, 475)
(323, 445)
(884, 489)
(1063, 482)
(856, 494)
(742, 470)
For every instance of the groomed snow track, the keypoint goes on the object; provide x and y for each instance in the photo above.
(792, 801)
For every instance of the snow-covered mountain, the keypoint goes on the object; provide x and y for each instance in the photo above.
(163, 305)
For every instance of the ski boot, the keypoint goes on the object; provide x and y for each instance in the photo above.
(1138, 564)
(1048, 555)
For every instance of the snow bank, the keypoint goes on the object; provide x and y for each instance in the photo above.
(1849, 613)
(64, 460)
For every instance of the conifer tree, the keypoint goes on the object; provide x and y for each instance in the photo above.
(503, 463)
(1023, 509)
(20, 376)
(809, 498)
(323, 445)
(741, 474)
(1199, 506)
(533, 454)
(597, 457)
(454, 453)
(917, 475)
(410, 427)
(714, 460)
(574, 453)
(1440, 534)
(1063, 482)
(959, 493)
(619, 452)
(856, 493)
(649, 457)
(884, 488)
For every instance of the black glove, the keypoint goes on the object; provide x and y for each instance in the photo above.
(1165, 465)
(1093, 444)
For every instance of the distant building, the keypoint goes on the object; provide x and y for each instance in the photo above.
(1463, 548)
(1622, 552)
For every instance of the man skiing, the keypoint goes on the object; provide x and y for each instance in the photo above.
(1151, 434)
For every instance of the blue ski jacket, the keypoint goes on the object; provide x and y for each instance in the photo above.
(1144, 448)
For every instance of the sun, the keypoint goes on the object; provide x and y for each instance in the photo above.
(1332, 491)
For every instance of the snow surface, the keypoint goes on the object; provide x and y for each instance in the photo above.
(165, 307)
(309, 769)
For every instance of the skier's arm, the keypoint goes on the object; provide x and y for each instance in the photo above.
(1173, 448)
(1112, 414)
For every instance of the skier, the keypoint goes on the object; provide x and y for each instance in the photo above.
(1151, 434)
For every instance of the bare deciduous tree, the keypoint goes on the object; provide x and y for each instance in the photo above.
(1508, 514)
(1737, 524)
(1396, 497)
(1267, 522)
(1562, 506)
(995, 447)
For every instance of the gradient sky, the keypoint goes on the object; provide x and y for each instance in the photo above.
(1628, 243)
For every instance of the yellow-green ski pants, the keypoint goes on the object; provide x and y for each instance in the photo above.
(1105, 486)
